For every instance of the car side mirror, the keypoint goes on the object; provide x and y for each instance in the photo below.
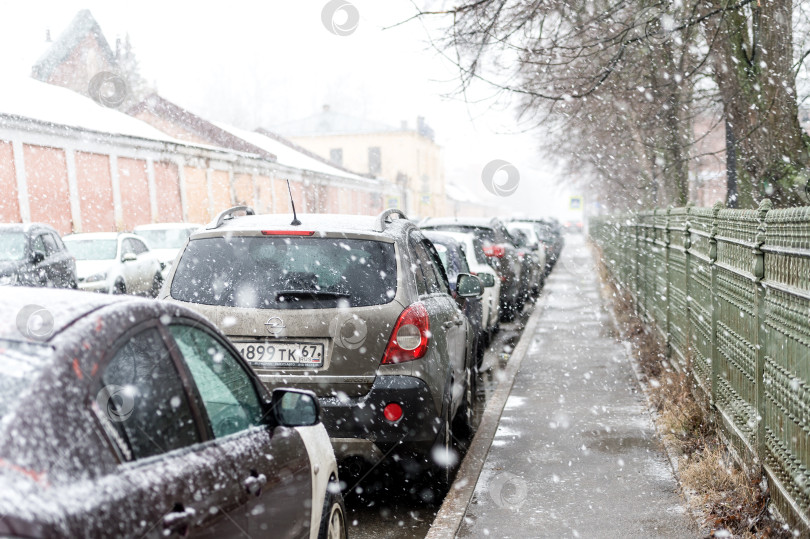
(129, 257)
(37, 257)
(487, 279)
(468, 286)
(295, 407)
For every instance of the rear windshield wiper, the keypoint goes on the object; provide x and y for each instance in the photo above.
(312, 294)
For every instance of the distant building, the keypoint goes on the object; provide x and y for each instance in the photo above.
(84, 165)
(407, 156)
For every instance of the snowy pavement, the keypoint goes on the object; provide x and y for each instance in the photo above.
(575, 453)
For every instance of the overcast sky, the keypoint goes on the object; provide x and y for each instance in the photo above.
(265, 63)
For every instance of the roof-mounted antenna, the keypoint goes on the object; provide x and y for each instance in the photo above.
(295, 221)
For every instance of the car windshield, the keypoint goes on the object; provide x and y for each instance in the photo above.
(19, 362)
(92, 249)
(165, 238)
(12, 245)
(286, 273)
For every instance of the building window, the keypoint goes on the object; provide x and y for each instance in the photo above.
(336, 156)
(374, 160)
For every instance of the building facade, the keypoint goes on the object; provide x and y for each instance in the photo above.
(406, 156)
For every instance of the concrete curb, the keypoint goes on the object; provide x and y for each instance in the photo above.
(451, 514)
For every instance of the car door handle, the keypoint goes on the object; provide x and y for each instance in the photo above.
(254, 483)
(179, 521)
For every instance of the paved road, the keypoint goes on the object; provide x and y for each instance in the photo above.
(575, 454)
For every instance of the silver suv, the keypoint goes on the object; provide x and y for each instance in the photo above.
(356, 309)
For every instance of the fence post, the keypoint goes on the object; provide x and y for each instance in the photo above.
(758, 269)
(715, 303)
(687, 269)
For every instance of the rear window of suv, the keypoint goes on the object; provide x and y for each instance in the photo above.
(286, 273)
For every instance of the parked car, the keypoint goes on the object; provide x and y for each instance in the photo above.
(166, 240)
(550, 233)
(358, 309)
(115, 263)
(454, 261)
(34, 255)
(534, 254)
(479, 266)
(498, 247)
(142, 420)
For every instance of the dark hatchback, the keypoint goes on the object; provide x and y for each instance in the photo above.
(454, 260)
(499, 248)
(34, 255)
(124, 417)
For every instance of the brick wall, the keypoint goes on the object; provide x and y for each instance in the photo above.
(95, 192)
(9, 202)
(47, 182)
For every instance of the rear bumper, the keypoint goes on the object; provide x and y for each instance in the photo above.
(357, 426)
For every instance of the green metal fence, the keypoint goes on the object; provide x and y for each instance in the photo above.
(729, 292)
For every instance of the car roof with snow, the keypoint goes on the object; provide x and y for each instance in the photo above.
(318, 223)
(93, 236)
(441, 237)
(483, 222)
(21, 305)
(167, 226)
(24, 227)
(460, 237)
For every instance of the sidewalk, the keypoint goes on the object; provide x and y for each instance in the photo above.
(575, 453)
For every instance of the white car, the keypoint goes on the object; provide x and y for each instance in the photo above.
(479, 265)
(166, 240)
(115, 263)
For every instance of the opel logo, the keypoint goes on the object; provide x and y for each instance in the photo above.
(275, 325)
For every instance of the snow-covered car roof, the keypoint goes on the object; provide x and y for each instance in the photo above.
(318, 223)
(462, 221)
(93, 236)
(24, 310)
(460, 237)
(23, 227)
(167, 226)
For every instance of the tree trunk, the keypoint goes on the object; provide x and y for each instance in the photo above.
(752, 66)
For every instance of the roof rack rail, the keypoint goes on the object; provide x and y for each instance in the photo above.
(383, 218)
(229, 214)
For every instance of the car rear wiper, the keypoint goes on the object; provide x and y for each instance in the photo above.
(312, 294)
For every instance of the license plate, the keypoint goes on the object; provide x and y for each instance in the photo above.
(273, 355)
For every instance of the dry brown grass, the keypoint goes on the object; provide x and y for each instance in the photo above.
(727, 497)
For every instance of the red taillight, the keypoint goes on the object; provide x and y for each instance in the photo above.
(288, 232)
(409, 340)
(392, 412)
(498, 251)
